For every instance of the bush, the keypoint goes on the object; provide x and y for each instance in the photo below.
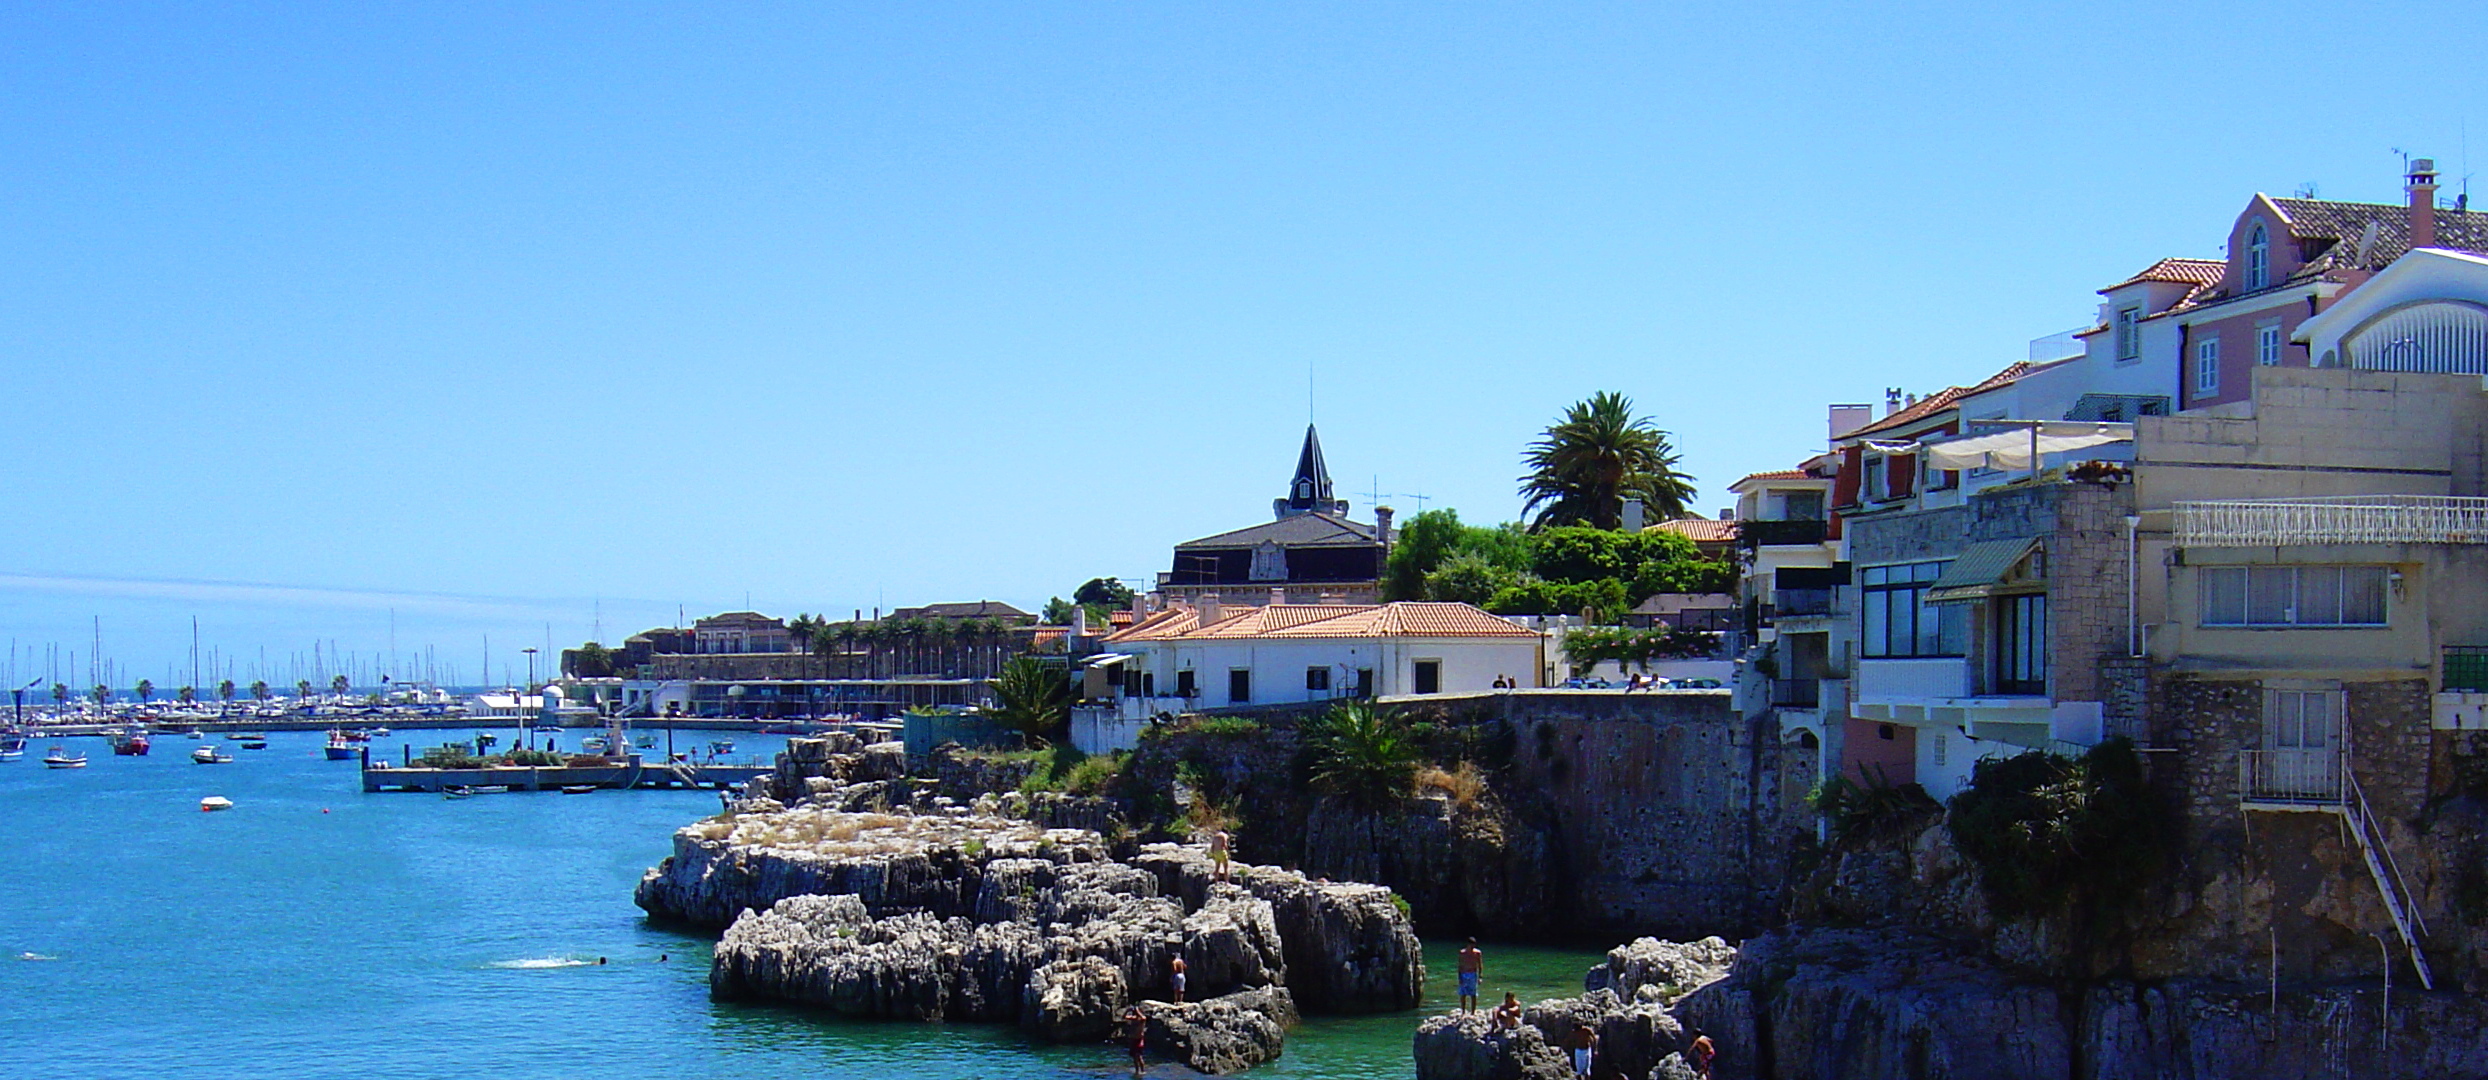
(1589, 646)
(1463, 783)
(1874, 809)
(1469, 579)
(1225, 726)
(2051, 834)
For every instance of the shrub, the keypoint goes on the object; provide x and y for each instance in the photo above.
(1227, 726)
(1095, 775)
(1463, 783)
(1361, 754)
(2052, 834)
(1876, 808)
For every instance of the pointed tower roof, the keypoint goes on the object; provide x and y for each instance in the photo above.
(1309, 492)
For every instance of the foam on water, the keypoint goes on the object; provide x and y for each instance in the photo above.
(541, 963)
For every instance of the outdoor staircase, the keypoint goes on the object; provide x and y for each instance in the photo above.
(2369, 833)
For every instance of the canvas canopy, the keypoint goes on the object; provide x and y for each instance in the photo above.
(2011, 449)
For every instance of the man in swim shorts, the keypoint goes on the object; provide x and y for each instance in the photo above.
(1583, 1043)
(1472, 967)
(1218, 852)
(1179, 969)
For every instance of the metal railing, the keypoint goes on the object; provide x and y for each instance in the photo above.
(2360, 519)
(1757, 533)
(1797, 693)
(1800, 602)
(2292, 776)
(2466, 669)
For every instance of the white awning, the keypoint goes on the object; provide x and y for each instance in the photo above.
(2011, 449)
(1105, 659)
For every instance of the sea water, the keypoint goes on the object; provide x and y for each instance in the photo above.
(317, 931)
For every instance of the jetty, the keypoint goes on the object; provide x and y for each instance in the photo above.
(621, 772)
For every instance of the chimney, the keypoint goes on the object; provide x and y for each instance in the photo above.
(1382, 526)
(1079, 621)
(1727, 513)
(1891, 400)
(1848, 418)
(1206, 606)
(2422, 202)
(1632, 515)
(1278, 595)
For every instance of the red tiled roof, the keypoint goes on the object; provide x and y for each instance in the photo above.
(1943, 399)
(1700, 530)
(1399, 619)
(1780, 474)
(2179, 271)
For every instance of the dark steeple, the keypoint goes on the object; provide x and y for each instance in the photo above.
(1309, 492)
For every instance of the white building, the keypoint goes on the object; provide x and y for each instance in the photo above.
(1208, 656)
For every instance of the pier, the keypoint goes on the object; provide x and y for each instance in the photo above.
(620, 773)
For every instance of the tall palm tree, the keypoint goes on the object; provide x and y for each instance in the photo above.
(1596, 457)
(302, 690)
(259, 690)
(225, 690)
(146, 690)
(188, 694)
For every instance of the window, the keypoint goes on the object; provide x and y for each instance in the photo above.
(2258, 257)
(2300, 719)
(1801, 506)
(2021, 644)
(2292, 595)
(1239, 686)
(1185, 686)
(2268, 345)
(1875, 475)
(1429, 676)
(1317, 678)
(1364, 682)
(2207, 367)
(1898, 622)
(2129, 333)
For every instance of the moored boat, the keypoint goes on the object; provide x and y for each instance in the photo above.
(578, 789)
(456, 791)
(255, 742)
(341, 748)
(61, 758)
(130, 743)
(721, 746)
(214, 803)
(209, 755)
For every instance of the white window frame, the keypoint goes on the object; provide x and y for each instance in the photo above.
(2232, 588)
(2258, 257)
(2268, 344)
(2207, 367)
(2129, 334)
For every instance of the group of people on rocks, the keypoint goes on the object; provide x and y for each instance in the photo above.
(1580, 1044)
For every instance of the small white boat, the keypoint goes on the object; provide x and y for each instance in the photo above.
(578, 789)
(213, 803)
(209, 755)
(62, 759)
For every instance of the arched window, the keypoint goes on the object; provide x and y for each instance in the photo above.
(2258, 256)
(2446, 336)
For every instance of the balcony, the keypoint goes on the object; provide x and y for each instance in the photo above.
(2289, 779)
(1797, 693)
(1753, 534)
(2363, 519)
(1791, 603)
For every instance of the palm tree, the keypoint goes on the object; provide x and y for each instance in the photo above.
(1362, 754)
(1596, 457)
(340, 685)
(259, 690)
(302, 690)
(187, 694)
(60, 694)
(146, 690)
(102, 693)
(225, 690)
(1033, 698)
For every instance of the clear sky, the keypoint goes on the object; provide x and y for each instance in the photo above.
(501, 320)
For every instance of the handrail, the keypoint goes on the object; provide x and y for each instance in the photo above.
(2387, 872)
(2390, 519)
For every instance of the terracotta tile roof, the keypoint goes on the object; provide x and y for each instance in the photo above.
(1943, 399)
(1700, 530)
(1399, 619)
(2179, 271)
(1779, 474)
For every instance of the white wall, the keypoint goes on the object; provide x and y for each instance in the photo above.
(1278, 666)
(1947, 677)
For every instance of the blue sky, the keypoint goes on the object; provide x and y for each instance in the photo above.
(500, 320)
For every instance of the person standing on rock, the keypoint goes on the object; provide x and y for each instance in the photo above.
(1179, 967)
(1583, 1043)
(1702, 1054)
(1136, 1037)
(1218, 852)
(1472, 968)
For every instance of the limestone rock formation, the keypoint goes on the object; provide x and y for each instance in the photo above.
(1467, 1046)
(1226, 1034)
(1349, 948)
(1669, 969)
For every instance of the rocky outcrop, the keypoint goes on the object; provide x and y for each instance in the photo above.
(1460, 865)
(1668, 969)
(963, 916)
(1348, 947)
(1468, 1046)
(1225, 1034)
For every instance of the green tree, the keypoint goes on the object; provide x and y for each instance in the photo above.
(302, 689)
(60, 693)
(340, 684)
(187, 694)
(146, 690)
(1469, 579)
(259, 689)
(1057, 612)
(102, 694)
(1033, 698)
(225, 690)
(1596, 457)
(591, 661)
(1362, 754)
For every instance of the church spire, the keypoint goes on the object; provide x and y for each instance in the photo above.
(1310, 491)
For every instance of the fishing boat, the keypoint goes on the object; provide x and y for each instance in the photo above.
(129, 743)
(593, 744)
(721, 746)
(376, 733)
(578, 789)
(457, 791)
(12, 747)
(341, 748)
(255, 742)
(194, 733)
(209, 755)
(491, 789)
(61, 758)
(645, 742)
(213, 803)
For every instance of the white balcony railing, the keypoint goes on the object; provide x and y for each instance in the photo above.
(2291, 776)
(2363, 519)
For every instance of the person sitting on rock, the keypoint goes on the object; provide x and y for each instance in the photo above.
(1703, 1053)
(1507, 1015)
(1179, 968)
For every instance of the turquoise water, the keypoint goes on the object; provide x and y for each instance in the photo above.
(316, 931)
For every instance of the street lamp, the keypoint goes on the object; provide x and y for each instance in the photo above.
(526, 731)
(20, 695)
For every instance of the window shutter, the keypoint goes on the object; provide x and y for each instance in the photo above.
(1852, 471)
(1901, 474)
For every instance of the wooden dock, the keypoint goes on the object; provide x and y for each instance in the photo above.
(621, 773)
